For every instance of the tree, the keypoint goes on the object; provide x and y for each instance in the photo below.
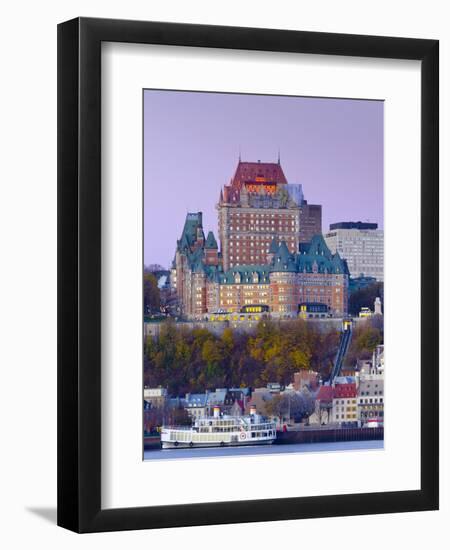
(277, 407)
(180, 417)
(186, 359)
(152, 300)
(153, 268)
(366, 337)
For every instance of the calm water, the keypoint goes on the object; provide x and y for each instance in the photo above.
(162, 454)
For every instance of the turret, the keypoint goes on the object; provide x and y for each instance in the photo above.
(211, 250)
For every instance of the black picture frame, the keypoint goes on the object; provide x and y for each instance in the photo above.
(79, 274)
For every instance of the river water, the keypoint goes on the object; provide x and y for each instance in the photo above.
(163, 454)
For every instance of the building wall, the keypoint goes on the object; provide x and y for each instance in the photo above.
(246, 233)
(329, 289)
(371, 397)
(344, 409)
(284, 294)
(285, 291)
(233, 297)
(362, 248)
(198, 295)
(310, 222)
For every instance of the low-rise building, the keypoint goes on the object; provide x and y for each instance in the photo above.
(216, 398)
(196, 404)
(371, 398)
(344, 409)
(323, 406)
(305, 379)
(155, 397)
(259, 399)
(236, 395)
(378, 360)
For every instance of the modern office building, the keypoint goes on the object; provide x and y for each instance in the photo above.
(361, 244)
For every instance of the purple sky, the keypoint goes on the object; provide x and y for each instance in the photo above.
(334, 147)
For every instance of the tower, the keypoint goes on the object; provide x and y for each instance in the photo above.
(258, 205)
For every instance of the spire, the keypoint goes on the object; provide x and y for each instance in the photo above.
(211, 241)
(239, 153)
(279, 155)
(273, 249)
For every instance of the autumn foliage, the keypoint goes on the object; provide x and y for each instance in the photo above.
(191, 360)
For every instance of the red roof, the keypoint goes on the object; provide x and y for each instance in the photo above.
(344, 390)
(325, 393)
(254, 171)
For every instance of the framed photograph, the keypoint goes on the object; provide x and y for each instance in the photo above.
(247, 275)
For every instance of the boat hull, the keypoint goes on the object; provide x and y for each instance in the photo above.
(192, 445)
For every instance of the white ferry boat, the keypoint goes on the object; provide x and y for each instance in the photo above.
(220, 431)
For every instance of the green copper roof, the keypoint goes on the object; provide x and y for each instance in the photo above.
(283, 260)
(211, 241)
(273, 246)
(189, 235)
(316, 256)
(246, 274)
(313, 257)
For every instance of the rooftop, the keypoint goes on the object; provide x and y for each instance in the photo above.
(353, 225)
(255, 172)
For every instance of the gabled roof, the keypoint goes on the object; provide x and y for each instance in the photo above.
(325, 393)
(196, 400)
(245, 274)
(283, 260)
(216, 397)
(318, 246)
(317, 256)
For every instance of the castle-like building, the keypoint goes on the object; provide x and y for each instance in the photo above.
(259, 204)
(272, 252)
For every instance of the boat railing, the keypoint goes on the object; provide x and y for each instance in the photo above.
(185, 428)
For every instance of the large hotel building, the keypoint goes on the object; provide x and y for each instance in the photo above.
(272, 252)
